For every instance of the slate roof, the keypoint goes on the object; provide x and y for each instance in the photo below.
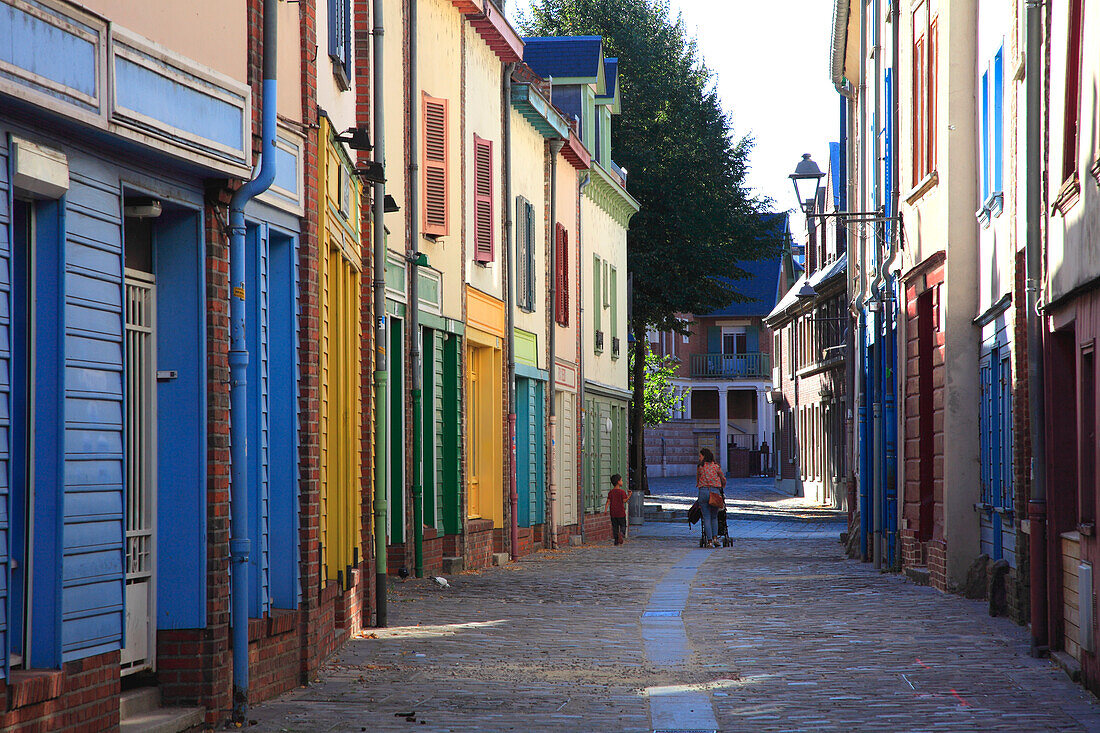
(762, 286)
(611, 73)
(567, 56)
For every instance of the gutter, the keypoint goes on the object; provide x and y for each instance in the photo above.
(839, 48)
(378, 232)
(240, 543)
(580, 332)
(1037, 503)
(508, 261)
(412, 259)
(551, 464)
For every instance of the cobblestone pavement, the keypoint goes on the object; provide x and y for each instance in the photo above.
(777, 633)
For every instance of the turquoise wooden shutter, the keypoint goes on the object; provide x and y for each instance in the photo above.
(752, 339)
(714, 340)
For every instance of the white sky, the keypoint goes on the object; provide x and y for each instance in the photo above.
(770, 60)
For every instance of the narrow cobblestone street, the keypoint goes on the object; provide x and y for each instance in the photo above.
(777, 633)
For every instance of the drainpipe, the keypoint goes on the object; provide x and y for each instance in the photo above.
(240, 543)
(891, 315)
(1037, 505)
(509, 310)
(551, 464)
(878, 289)
(413, 260)
(380, 382)
(582, 428)
(864, 441)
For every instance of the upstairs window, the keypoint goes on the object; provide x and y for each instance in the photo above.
(434, 165)
(483, 201)
(525, 254)
(992, 127)
(561, 275)
(925, 72)
(339, 40)
(1072, 96)
(597, 297)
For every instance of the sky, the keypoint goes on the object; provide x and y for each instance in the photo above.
(771, 65)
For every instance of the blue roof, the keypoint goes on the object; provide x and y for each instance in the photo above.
(568, 56)
(611, 73)
(762, 286)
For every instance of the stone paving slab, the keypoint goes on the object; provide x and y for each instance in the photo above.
(784, 634)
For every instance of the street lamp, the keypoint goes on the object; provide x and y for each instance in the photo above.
(805, 179)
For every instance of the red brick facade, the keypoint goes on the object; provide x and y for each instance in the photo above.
(922, 532)
(81, 696)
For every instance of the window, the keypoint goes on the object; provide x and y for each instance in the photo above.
(435, 166)
(925, 71)
(339, 40)
(525, 254)
(992, 128)
(1071, 124)
(483, 201)
(734, 341)
(597, 305)
(561, 275)
(613, 288)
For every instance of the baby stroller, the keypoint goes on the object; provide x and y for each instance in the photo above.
(695, 514)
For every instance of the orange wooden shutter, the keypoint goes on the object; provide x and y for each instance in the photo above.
(435, 166)
(483, 200)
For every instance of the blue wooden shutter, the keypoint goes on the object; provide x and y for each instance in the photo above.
(91, 593)
(986, 431)
(998, 120)
(984, 86)
(5, 414)
(259, 600)
(339, 34)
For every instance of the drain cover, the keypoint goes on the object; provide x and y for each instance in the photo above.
(665, 614)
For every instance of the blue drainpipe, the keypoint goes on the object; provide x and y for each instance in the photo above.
(891, 425)
(240, 543)
(864, 441)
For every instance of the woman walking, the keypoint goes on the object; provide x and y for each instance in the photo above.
(709, 479)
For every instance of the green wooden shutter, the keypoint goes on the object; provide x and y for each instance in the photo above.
(714, 340)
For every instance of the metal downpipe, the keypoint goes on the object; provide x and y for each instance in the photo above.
(240, 543)
(1037, 504)
(551, 386)
(412, 259)
(378, 233)
(509, 312)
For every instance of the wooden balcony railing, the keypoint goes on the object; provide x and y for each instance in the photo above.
(730, 366)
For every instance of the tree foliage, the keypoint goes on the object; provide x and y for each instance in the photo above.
(659, 398)
(697, 219)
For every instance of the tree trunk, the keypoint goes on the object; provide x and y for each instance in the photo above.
(637, 414)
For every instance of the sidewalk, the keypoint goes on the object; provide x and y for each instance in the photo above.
(770, 635)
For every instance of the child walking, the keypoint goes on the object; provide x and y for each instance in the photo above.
(616, 500)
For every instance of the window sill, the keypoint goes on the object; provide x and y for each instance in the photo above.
(341, 74)
(991, 209)
(926, 184)
(1068, 195)
(33, 686)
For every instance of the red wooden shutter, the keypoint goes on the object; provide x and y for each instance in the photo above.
(483, 200)
(435, 166)
(561, 275)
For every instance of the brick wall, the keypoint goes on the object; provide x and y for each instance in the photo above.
(274, 644)
(931, 553)
(597, 527)
(81, 696)
(478, 544)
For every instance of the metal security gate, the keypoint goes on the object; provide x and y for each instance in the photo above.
(141, 472)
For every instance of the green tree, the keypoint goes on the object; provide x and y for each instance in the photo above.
(660, 399)
(698, 219)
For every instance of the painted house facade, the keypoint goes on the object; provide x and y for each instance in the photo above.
(724, 377)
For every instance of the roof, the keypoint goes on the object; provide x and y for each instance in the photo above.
(611, 81)
(569, 57)
(838, 267)
(762, 285)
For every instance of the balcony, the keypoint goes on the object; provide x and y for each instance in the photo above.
(731, 366)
